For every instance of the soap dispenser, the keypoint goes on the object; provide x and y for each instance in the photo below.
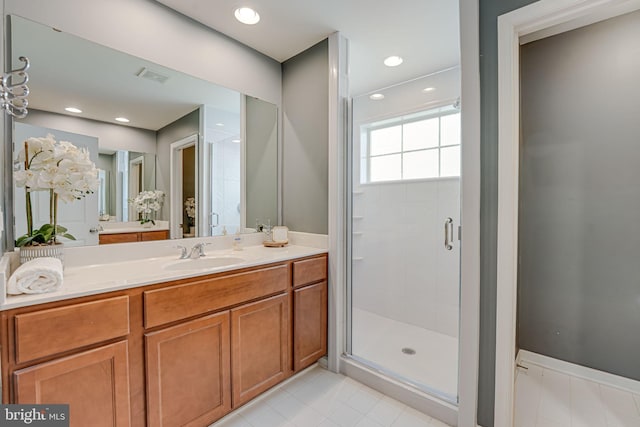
(237, 241)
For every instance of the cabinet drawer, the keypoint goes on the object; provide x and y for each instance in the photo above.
(148, 236)
(47, 332)
(202, 296)
(106, 239)
(309, 271)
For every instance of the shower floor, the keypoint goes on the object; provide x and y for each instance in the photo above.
(381, 340)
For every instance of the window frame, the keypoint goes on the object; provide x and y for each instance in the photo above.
(367, 128)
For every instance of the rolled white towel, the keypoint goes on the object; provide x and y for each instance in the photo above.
(37, 276)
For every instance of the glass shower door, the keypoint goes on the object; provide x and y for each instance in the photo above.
(405, 252)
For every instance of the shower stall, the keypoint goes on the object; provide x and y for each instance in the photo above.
(403, 237)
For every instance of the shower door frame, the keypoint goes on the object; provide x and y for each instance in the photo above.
(465, 414)
(537, 20)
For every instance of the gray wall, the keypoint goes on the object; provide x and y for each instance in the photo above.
(261, 161)
(181, 128)
(489, 12)
(579, 292)
(107, 162)
(305, 100)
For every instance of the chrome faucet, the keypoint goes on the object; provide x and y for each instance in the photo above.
(197, 250)
(183, 251)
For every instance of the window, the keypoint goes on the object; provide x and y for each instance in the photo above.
(418, 146)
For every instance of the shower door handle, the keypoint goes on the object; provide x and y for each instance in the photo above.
(448, 233)
(211, 224)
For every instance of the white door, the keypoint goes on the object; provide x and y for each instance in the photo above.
(405, 255)
(80, 216)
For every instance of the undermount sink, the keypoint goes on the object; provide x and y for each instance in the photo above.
(203, 263)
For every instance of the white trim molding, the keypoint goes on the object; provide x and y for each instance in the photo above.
(530, 358)
(175, 192)
(513, 29)
(338, 94)
(469, 347)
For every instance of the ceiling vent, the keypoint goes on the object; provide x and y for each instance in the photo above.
(148, 74)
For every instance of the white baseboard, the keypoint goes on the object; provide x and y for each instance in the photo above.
(578, 371)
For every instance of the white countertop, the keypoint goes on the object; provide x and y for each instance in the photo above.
(82, 278)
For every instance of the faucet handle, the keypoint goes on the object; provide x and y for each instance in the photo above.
(183, 251)
(200, 248)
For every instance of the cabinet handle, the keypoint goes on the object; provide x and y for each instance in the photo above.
(448, 234)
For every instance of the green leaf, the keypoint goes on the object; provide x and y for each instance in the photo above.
(24, 240)
(46, 228)
(68, 236)
(39, 238)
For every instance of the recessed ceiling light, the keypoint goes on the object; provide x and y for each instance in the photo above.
(246, 15)
(376, 96)
(73, 110)
(122, 120)
(393, 61)
(237, 141)
(428, 89)
(220, 124)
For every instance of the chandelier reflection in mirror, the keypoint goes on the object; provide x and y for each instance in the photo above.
(14, 90)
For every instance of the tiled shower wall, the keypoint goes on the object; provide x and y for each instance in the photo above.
(401, 269)
(226, 184)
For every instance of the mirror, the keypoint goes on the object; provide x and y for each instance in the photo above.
(225, 182)
(123, 175)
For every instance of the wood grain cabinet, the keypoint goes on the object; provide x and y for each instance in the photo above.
(94, 383)
(188, 372)
(309, 324)
(180, 353)
(259, 347)
(140, 236)
(309, 311)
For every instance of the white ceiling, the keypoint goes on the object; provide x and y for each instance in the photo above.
(103, 83)
(423, 32)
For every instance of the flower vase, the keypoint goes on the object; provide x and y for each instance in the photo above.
(27, 253)
(147, 224)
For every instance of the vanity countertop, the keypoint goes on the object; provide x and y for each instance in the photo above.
(111, 274)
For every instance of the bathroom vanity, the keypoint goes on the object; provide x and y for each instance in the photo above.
(133, 236)
(132, 231)
(176, 352)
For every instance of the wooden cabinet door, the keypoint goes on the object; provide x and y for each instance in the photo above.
(95, 384)
(309, 324)
(259, 347)
(188, 367)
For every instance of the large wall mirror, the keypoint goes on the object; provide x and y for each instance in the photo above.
(212, 151)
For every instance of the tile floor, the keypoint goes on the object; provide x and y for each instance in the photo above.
(380, 340)
(319, 398)
(546, 398)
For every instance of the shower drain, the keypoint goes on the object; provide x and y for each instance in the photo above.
(408, 351)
